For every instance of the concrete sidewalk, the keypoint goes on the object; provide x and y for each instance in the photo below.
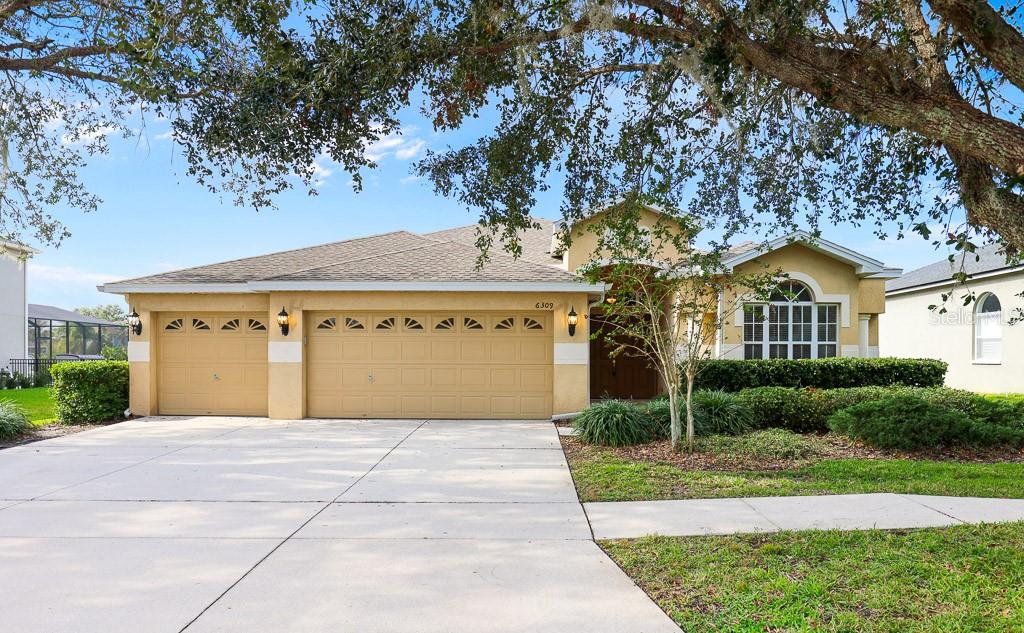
(633, 519)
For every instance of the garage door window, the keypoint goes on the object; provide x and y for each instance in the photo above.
(257, 326)
(507, 323)
(174, 325)
(446, 324)
(200, 325)
(471, 324)
(413, 324)
(532, 324)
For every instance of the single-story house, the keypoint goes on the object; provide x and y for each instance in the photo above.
(983, 350)
(13, 300)
(407, 325)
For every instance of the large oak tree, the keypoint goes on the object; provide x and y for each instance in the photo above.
(750, 114)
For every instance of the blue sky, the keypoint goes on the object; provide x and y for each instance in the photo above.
(154, 218)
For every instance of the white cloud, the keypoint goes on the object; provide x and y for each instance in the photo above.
(410, 150)
(164, 136)
(402, 145)
(408, 180)
(68, 275)
(85, 137)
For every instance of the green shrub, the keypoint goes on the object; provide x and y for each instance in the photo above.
(110, 352)
(659, 418)
(767, 444)
(90, 391)
(909, 422)
(800, 410)
(613, 423)
(13, 421)
(719, 412)
(824, 373)
(809, 409)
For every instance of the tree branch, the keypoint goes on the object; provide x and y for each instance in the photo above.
(988, 32)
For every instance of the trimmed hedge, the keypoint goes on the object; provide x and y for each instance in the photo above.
(824, 373)
(809, 409)
(90, 391)
(908, 422)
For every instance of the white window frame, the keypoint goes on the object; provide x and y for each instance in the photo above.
(992, 336)
(765, 310)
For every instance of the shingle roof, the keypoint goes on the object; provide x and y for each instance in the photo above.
(442, 256)
(38, 311)
(536, 242)
(985, 260)
(265, 266)
(438, 261)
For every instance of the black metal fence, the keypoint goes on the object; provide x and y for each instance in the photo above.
(37, 370)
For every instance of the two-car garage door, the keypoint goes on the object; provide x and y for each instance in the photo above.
(429, 365)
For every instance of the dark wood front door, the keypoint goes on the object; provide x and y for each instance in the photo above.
(621, 377)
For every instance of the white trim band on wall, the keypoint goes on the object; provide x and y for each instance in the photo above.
(284, 352)
(572, 353)
(138, 351)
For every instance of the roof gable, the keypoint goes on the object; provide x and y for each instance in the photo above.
(863, 265)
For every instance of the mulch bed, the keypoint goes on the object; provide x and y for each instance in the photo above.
(826, 447)
(50, 431)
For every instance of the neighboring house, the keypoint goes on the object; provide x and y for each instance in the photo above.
(406, 325)
(13, 298)
(983, 350)
(54, 331)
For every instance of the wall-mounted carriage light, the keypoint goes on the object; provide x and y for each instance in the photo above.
(573, 320)
(135, 322)
(282, 320)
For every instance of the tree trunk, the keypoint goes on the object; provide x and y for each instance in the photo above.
(690, 431)
(675, 427)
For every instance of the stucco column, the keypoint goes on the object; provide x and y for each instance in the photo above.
(863, 331)
(571, 380)
(285, 356)
(141, 377)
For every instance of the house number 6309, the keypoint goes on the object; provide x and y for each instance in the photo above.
(544, 305)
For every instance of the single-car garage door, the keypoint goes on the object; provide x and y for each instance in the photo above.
(212, 363)
(429, 365)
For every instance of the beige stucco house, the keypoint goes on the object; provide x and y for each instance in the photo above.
(407, 325)
(985, 353)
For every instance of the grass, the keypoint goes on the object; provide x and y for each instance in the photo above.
(36, 402)
(1011, 398)
(605, 477)
(963, 578)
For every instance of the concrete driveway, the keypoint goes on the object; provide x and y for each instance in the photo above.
(242, 524)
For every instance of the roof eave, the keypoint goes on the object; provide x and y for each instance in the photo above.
(356, 286)
(950, 282)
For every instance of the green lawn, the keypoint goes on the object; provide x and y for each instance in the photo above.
(605, 477)
(36, 403)
(963, 578)
(1012, 398)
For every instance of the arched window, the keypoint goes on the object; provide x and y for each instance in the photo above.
(988, 329)
(797, 327)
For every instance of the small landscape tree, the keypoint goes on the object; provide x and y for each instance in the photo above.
(668, 301)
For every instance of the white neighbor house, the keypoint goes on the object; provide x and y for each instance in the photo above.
(985, 353)
(13, 300)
